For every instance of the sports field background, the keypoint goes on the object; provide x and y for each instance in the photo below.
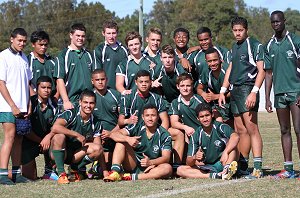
(265, 187)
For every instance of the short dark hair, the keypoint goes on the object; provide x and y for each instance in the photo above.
(150, 106)
(184, 76)
(279, 12)
(204, 30)
(110, 24)
(18, 31)
(141, 73)
(38, 36)
(99, 71)
(239, 21)
(168, 49)
(133, 35)
(43, 79)
(87, 93)
(203, 107)
(77, 26)
(211, 50)
(181, 29)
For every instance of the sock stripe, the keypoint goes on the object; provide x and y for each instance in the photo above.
(88, 158)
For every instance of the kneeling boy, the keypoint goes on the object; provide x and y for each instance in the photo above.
(77, 139)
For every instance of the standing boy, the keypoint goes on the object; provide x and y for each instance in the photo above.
(15, 75)
(109, 54)
(246, 74)
(283, 51)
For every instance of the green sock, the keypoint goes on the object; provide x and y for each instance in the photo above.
(116, 167)
(3, 172)
(257, 163)
(288, 166)
(59, 158)
(85, 161)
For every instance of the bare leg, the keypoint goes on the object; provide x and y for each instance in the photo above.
(29, 170)
(17, 151)
(244, 145)
(283, 116)
(190, 172)
(250, 120)
(159, 172)
(9, 130)
(178, 146)
(295, 110)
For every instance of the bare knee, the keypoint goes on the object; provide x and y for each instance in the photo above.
(97, 150)
(176, 134)
(58, 140)
(167, 168)
(181, 170)
(285, 130)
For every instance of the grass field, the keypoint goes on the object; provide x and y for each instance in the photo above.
(265, 187)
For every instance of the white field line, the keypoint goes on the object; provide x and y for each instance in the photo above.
(197, 187)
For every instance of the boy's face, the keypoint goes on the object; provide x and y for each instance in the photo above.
(277, 22)
(150, 117)
(78, 38)
(143, 84)
(181, 39)
(167, 60)
(205, 41)
(40, 47)
(185, 87)
(87, 104)
(239, 32)
(205, 118)
(110, 35)
(134, 46)
(44, 90)
(19, 42)
(154, 41)
(99, 81)
(213, 61)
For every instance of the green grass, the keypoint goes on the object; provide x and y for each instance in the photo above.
(265, 187)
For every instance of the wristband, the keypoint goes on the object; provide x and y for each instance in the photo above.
(255, 89)
(223, 90)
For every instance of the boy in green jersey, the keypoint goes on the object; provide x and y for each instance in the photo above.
(76, 139)
(197, 58)
(212, 150)
(143, 150)
(245, 74)
(40, 63)
(38, 140)
(154, 39)
(107, 110)
(165, 82)
(183, 117)
(210, 91)
(73, 67)
(136, 61)
(283, 52)
(131, 104)
(110, 53)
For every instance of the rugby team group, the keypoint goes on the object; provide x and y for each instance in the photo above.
(163, 112)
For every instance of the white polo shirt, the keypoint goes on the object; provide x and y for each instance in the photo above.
(15, 72)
